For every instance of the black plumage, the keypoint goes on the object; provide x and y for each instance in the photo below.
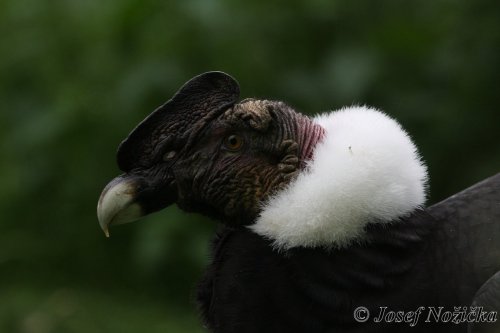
(439, 256)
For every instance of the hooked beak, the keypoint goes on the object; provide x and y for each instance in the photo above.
(127, 198)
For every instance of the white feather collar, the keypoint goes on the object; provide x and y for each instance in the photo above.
(366, 169)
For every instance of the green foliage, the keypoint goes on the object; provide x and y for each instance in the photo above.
(77, 76)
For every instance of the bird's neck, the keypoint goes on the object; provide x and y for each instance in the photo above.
(364, 169)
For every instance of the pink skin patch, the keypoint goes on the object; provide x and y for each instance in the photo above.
(309, 135)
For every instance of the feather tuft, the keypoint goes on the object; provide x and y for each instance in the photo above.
(365, 170)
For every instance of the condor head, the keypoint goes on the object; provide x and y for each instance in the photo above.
(208, 153)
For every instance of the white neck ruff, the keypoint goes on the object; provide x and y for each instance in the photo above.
(365, 170)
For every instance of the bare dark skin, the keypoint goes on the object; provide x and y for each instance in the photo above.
(239, 160)
(228, 157)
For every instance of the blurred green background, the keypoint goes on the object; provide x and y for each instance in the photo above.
(77, 76)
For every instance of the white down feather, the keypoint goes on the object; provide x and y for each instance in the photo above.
(365, 169)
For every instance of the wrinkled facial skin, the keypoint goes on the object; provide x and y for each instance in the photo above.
(231, 184)
(209, 154)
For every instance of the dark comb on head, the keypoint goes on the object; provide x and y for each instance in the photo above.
(197, 99)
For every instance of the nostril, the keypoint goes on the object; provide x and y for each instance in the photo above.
(169, 155)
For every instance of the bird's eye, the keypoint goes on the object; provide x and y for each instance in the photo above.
(233, 142)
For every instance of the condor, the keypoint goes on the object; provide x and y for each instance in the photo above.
(320, 217)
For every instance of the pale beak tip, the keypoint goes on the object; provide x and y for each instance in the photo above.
(115, 205)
